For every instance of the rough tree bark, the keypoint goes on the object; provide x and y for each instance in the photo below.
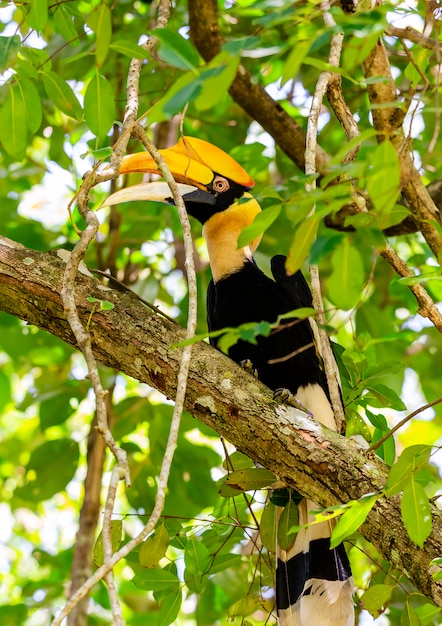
(317, 462)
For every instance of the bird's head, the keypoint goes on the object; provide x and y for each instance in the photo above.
(213, 185)
(214, 188)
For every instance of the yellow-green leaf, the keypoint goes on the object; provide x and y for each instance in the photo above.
(13, 133)
(129, 49)
(62, 95)
(260, 224)
(38, 14)
(288, 520)
(154, 548)
(31, 103)
(352, 519)
(304, 237)
(411, 459)
(409, 617)
(196, 557)
(251, 479)
(267, 527)
(416, 512)
(99, 105)
(101, 23)
(347, 278)
(375, 599)
(155, 580)
(116, 531)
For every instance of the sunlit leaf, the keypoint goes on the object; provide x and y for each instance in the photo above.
(196, 557)
(31, 103)
(288, 520)
(411, 459)
(99, 105)
(376, 598)
(116, 531)
(9, 46)
(13, 133)
(129, 49)
(155, 580)
(304, 237)
(154, 548)
(62, 95)
(250, 479)
(100, 22)
(352, 519)
(409, 617)
(416, 512)
(176, 50)
(262, 221)
(38, 14)
(170, 608)
(347, 277)
(267, 526)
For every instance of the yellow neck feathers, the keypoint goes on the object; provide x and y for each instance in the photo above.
(221, 233)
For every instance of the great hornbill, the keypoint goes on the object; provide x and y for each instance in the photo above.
(313, 583)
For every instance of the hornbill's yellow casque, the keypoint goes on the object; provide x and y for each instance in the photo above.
(313, 583)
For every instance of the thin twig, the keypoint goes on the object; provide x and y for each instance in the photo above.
(324, 346)
(399, 425)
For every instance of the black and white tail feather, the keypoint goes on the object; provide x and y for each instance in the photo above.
(314, 586)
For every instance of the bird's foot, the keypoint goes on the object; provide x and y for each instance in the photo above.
(247, 365)
(285, 396)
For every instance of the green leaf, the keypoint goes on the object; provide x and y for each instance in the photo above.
(259, 225)
(216, 84)
(99, 105)
(100, 21)
(376, 598)
(5, 390)
(38, 14)
(409, 617)
(251, 479)
(196, 557)
(411, 459)
(64, 24)
(116, 531)
(383, 182)
(62, 95)
(53, 464)
(129, 49)
(381, 396)
(155, 580)
(170, 608)
(9, 47)
(267, 526)
(295, 60)
(176, 51)
(347, 278)
(237, 460)
(13, 133)
(421, 58)
(31, 103)
(154, 548)
(181, 98)
(304, 237)
(288, 520)
(352, 519)
(416, 512)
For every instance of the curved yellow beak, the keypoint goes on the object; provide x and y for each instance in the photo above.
(191, 161)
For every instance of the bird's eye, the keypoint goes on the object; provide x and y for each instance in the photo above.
(220, 184)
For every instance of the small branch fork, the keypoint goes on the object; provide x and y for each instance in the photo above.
(121, 470)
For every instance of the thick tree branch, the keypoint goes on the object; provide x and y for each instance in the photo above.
(319, 463)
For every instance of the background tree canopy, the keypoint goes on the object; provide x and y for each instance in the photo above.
(359, 83)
